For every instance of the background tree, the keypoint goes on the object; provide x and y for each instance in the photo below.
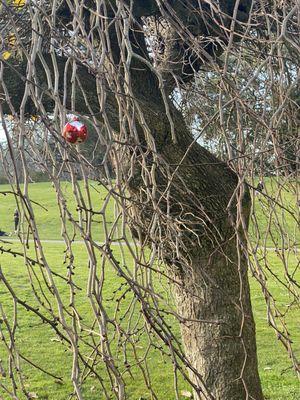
(125, 66)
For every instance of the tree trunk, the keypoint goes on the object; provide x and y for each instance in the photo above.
(219, 332)
(213, 298)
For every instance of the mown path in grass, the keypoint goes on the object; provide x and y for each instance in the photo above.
(10, 240)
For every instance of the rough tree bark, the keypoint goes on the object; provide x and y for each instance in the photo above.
(218, 331)
(214, 298)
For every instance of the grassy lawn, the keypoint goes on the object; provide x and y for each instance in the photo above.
(48, 217)
(275, 215)
(270, 224)
(34, 338)
(38, 342)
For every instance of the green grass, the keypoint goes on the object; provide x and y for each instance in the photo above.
(46, 210)
(275, 215)
(38, 342)
(278, 383)
(33, 336)
(270, 224)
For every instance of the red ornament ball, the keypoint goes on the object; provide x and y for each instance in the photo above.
(75, 132)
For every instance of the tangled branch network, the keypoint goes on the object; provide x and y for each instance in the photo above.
(186, 185)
